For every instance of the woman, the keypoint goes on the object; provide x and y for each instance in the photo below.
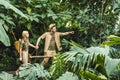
(24, 48)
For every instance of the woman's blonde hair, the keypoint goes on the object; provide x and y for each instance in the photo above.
(24, 34)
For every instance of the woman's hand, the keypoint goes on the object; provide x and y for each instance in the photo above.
(20, 59)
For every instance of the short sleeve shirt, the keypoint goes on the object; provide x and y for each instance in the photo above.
(24, 45)
(52, 43)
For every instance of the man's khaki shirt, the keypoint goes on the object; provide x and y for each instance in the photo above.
(48, 37)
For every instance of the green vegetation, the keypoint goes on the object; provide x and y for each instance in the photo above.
(92, 53)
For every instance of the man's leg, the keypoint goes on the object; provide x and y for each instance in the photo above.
(48, 53)
(45, 60)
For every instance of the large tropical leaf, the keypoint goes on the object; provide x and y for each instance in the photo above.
(10, 6)
(58, 67)
(6, 76)
(91, 76)
(111, 65)
(3, 36)
(93, 59)
(99, 50)
(75, 49)
(112, 40)
(32, 72)
(68, 76)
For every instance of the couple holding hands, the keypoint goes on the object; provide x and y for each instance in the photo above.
(52, 42)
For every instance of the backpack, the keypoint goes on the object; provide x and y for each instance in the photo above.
(17, 45)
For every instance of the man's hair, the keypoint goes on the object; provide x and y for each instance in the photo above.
(51, 26)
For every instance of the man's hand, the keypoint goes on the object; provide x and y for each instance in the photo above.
(71, 32)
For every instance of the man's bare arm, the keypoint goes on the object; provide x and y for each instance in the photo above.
(67, 33)
(39, 39)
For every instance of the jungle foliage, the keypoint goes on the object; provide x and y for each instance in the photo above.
(91, 53)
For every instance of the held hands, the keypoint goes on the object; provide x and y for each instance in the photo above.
(36, 47)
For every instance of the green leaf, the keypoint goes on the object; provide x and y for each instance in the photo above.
(7, 19)
(6, 76)
(110, 43)
(29, 26)
(33, 71)
(57, 68)
(5, 27)
(10, 6)
(113, 38)
(99, 50)
(28, 10)
(68, 76)
(51, 14)
(111, 65)
(88, 75)
(3, 36)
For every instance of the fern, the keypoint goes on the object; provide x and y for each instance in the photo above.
(91, 63)
(33, 72)
(6, 76)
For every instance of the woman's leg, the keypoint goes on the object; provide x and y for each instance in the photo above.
(25, 57)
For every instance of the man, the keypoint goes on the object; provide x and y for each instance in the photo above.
(52, 41)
